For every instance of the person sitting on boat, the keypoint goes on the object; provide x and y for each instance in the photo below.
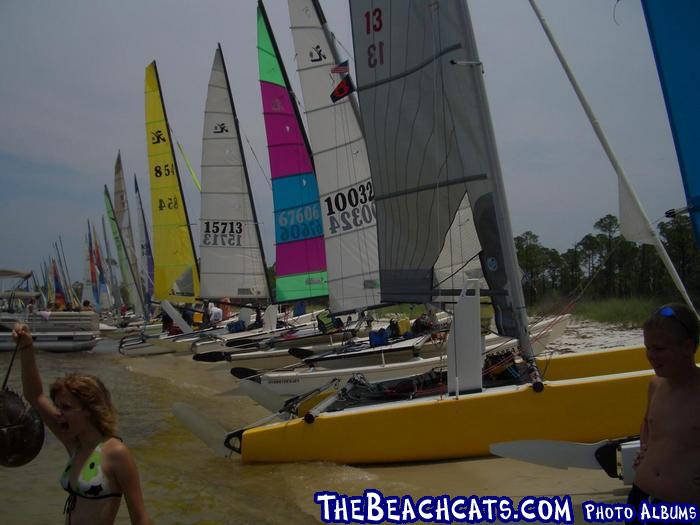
(668, 464)
(80, 413)
(31, 306)
(87, 307)
(216, 314)
(258, 323)
(225, 305)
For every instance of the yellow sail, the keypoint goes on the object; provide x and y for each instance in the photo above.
(176, 275)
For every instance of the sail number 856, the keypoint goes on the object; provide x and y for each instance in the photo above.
(163, 171)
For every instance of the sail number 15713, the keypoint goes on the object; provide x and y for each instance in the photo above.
(222, 233)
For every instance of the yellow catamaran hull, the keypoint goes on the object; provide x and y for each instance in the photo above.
(596, 363)
(583, 410)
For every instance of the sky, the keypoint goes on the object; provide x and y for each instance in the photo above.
(71, 96)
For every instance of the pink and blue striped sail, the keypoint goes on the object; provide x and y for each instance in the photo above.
(673, 29)
(300, 249)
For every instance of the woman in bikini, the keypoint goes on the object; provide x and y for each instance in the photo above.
(80, 413)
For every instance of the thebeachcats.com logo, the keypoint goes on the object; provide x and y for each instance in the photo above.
(374, 507)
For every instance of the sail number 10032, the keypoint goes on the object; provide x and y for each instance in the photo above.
(350, 209)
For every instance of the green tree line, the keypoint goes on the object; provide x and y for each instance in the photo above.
(604, 265)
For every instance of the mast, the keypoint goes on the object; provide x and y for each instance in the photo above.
(330, 37)
(629, 202)
(247, 177)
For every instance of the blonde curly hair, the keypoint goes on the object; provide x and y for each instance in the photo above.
(94, 397)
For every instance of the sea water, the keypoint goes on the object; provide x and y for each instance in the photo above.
(186, 483)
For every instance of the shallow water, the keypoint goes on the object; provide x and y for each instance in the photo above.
(185, 483)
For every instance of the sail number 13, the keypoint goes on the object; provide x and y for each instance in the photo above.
(374, 24)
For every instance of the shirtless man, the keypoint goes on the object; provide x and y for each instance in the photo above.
(668, 467)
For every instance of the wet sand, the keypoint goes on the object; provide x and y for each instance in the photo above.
(184, 482)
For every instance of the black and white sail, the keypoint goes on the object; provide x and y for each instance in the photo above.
(432, 154)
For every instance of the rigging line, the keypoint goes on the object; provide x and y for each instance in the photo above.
(458, 269)
(262, 170)
(570, 305)
(347, 53)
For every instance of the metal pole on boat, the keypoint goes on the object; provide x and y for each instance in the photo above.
(65, 265)
(648, 236)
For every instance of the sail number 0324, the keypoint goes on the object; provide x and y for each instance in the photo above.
(350, 209)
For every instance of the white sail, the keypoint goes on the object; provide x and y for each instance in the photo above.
(123, 217)
(459, 258)
(342, 168)
(232, 259)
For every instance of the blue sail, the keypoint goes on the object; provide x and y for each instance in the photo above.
(673, 29)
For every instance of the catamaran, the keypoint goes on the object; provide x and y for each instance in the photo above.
(431, 144)
(384, 365)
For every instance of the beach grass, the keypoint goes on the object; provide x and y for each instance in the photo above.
(630, 312)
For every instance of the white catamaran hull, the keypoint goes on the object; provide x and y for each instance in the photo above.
(294, 382)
